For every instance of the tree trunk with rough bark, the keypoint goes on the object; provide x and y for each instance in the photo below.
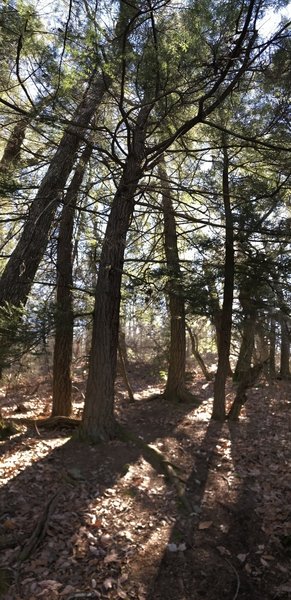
(285, 349)
(244, 360)
(218, 411)
(175, 390)
(98, 419)
(64, 320)
(272, 353)
(18, 275)
(11, 154)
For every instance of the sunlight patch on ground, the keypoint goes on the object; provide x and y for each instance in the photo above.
(222, 473)
(149, 391)
(35, 451)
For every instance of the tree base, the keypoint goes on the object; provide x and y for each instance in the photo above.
(97, 435)
(180, 395)
(218, 416)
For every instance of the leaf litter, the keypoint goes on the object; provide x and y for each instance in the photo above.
(117, 529)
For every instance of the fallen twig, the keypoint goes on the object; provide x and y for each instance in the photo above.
(40, 530)
(237, 577)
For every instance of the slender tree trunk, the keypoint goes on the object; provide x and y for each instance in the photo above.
(248, 336)
(285, 349)
(63, 349)
(272, 353)
(215, 310)
(261, 350)
(218, 412)
(175, 389)
(217, 316)
(18, 275)
(98, 418)
(122, 360)
(197, 355)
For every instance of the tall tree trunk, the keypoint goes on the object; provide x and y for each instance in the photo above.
(9, 160)
(217, 317)
(218, 412)
(98, 418)
(261, 350)
(285, 349)
(122, 360)
(215, 310)
(244, 360)
(175, 389)
(63, 349)
(18, 275)
(272, 353)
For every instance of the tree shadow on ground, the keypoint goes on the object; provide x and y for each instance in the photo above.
(225, 537)
(177, 576)
(79, 532)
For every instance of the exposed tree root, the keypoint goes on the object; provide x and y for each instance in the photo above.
(180, 396)
(40, 529)
(157, 460)
(50, 422)
(37, 535)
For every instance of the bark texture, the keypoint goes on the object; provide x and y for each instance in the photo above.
(285, 349)
(244, 360)
(218, 412)
(18, 275)
(98, 418)
(272, 342)
(64, 320)
(175, 389)
(12, 149)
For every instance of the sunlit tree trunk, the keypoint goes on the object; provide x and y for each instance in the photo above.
(218, 412)
(63, 348)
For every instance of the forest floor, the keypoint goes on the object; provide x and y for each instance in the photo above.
(109, 526)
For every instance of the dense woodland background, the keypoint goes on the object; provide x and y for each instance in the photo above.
(145, 193)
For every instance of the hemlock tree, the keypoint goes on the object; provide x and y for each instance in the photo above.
(206, 87)
(218, 411)
(175, 390)
(64, 317)
(156, 72)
